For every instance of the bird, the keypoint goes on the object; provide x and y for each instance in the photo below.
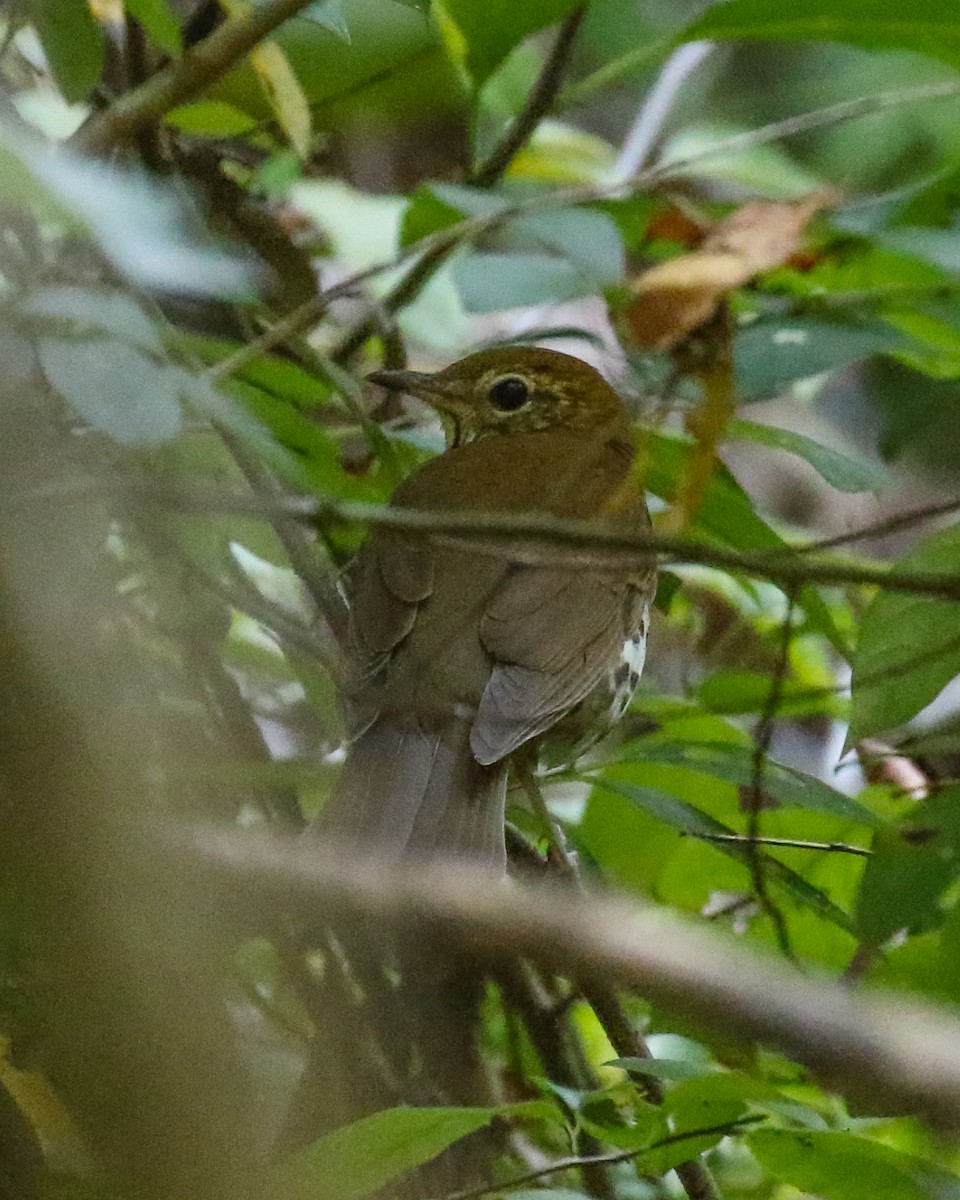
(462, 655)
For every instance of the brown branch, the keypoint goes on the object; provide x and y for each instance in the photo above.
(891, 1053)
(783, 565)
(184, 78)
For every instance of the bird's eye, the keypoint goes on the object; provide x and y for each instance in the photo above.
(509, 394)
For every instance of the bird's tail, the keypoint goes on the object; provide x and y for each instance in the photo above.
(410, 792)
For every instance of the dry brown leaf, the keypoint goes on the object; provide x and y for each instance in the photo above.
(674, 298)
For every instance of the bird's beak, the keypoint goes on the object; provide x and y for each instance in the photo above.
(443, 394)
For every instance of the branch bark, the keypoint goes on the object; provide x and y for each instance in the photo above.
(886, 1053)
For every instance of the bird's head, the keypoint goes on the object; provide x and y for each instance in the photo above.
(512, 389)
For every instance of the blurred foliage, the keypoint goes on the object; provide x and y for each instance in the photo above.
(188, 325)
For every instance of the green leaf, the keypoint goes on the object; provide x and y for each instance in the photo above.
(425, 214)
(772, 353)
(734, 692)
(848, 472)
(689, 819)
(121, 392)
(588, 239)
(160, 21)
(726, 514)
(489, 282)
(927, 26)
(911, 866)
(361, 1158)
(734, 764)
(211, 117)
(487, 30)
(73, 43)
(909, 646)
(836, 1166)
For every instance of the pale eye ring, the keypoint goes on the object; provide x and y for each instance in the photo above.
(509, 394)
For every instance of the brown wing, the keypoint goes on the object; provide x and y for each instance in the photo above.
(387, 582)
(554, 636)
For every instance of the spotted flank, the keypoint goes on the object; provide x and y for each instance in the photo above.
(625, 677)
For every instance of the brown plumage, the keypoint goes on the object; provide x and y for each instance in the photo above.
(460, 654)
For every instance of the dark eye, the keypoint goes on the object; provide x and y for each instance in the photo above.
(509, 394)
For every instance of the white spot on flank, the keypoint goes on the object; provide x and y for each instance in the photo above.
(790, 337)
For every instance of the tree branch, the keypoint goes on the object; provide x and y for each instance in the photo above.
(889, 1054)
(783, 565)
(184, 78)
(538, 104)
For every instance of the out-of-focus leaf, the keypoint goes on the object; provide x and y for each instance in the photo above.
(489, 282)
(73, 43)
(160, 21)
(361, 1158)
(330, 15)
(426, 214)
(487, 30)
(96, 308)
(837, 1166)
(909, 646)
(773, 353)
(759, 169)
(145, 229)
(845, 470)
(912, 864)
(121, 392)
(285, 93)
(731, 692)
(663, 1068)
(211, 117)
(559, 153)
(733, 762)
(928, 26)
(588, 239)
(561, 255)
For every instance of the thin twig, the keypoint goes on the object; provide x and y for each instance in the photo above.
(303, 555)
(783, 564)
(754, 794)
(616, 1156)
(789, 843)
(885, 526)
(538, 104)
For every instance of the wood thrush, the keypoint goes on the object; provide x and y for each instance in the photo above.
(460, 652)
